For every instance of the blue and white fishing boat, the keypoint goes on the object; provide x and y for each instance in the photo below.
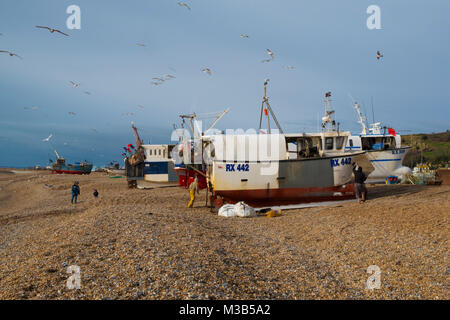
(384, 149)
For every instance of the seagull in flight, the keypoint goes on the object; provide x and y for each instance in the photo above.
(127, 114)
(87, 92)
(379, 55)
(207, 70)
(48, 138)
(140, 45)
(270, 53)
(244, 35)
(182, 4)
(140, 107)
(159, 79)
(12, 54)
(52, 30)
(156, 83)
(266, 60)
(169, 76)
(71, 113)
(28, 108)
(95, 130)
(74, 84)
(289, 67)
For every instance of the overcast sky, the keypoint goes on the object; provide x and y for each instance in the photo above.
(326, 41)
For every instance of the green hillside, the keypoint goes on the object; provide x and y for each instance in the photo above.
(434, 148)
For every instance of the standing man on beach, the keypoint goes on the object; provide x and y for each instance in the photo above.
(193, 187)
(75, 192)
(360, 186)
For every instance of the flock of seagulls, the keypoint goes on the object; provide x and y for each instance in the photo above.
(76, 85)
(157, 80)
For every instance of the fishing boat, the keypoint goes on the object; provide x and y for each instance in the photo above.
(151, 163)
(304, 167)
(60, 166)
(265, 168)
(384, 149)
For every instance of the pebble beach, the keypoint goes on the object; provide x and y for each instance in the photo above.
(146, 244)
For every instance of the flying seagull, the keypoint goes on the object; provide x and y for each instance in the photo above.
(169, 76)
(270, 53)
(206, 70)
(266, 60)
(140, 107)
(127, 114)
(71, 113)
(12, 54)
(379, 55)
(74, 84)
(140, 44)
(52, 30)
(48, 138)
(182, 4)
(95, 130)
(289, 67)
(159, 79)
(156, 83)
(87, 92)
(28, 108)
(244, 35)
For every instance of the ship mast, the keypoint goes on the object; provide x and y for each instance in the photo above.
(139, 141)
(265, 106)
(362, 119)
(57, 155)
(329, 114)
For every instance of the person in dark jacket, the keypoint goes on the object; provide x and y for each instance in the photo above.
(95, 193)
(75, 192)
(360, 186)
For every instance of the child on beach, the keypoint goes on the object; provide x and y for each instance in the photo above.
(75, 192)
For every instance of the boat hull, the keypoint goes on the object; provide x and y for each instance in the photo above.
(286, 196)
(285, 182)
(72, 169)
(386, 163)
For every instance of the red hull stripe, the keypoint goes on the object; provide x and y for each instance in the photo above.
(285, 196)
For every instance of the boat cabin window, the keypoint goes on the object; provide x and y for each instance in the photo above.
(328, 143)
(306, 147)
(150, 151)
(339, 142)
(351, 142)
(378, 143)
